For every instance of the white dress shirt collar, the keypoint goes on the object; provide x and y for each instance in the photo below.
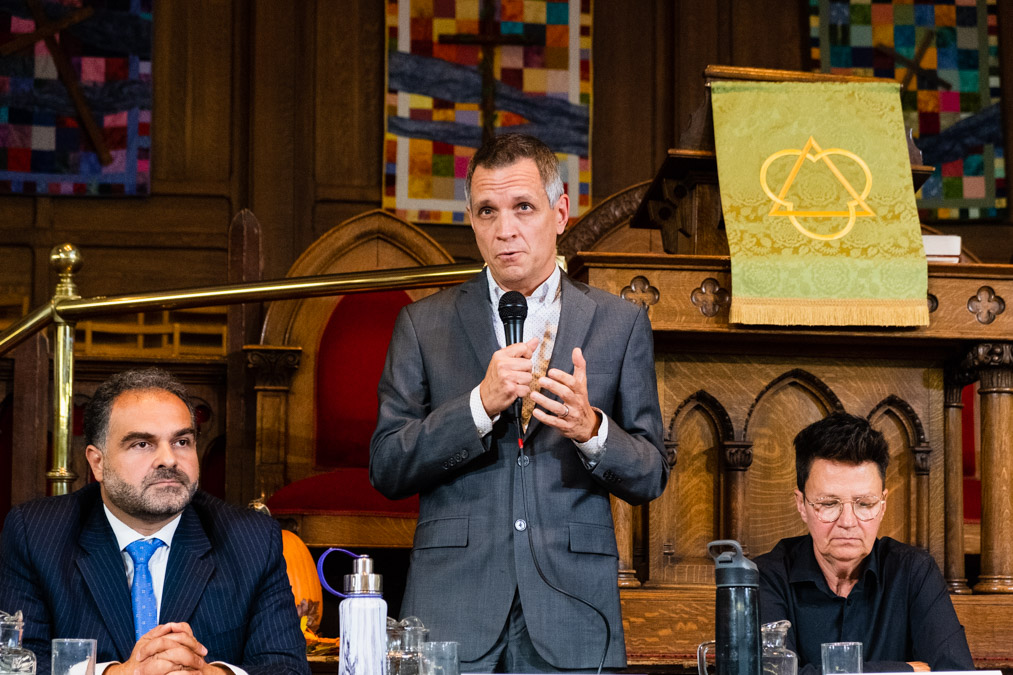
(546, 292)
(126, 535)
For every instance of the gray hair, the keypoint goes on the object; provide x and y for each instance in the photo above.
(506, 149)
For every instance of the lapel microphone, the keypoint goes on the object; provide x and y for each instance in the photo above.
(513, 309)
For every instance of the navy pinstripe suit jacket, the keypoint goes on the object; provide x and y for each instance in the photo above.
(226, 577)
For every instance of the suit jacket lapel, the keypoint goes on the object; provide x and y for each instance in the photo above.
(188, 570)
(576, 310)
(102, 568)
(473, 311)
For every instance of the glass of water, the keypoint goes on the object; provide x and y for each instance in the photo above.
(73, 657)
(841, 657)
(440, 658)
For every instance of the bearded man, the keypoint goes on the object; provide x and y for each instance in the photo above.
(164, 577)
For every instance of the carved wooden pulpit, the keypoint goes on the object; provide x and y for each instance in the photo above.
(733, 397)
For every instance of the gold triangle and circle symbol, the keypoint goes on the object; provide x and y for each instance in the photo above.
(857, 207)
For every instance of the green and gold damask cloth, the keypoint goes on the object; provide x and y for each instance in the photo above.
(818, 204)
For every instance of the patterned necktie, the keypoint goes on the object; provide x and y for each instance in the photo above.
(538, 369)
(540, 365)
(142, 594)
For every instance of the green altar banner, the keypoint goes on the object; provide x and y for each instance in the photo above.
(818, 204)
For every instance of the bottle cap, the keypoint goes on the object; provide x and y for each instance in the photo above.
(362, 581)
(731, 567)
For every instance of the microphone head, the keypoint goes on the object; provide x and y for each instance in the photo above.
(513, 306)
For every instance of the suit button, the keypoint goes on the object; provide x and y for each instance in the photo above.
(464, 454)
(523, 460)
(520, 525)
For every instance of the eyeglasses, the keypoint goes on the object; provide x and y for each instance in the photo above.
(829, 510)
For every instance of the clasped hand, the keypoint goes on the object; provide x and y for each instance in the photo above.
(167, 648)
(508, 378)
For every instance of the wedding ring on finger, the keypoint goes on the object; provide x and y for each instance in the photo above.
(566, 411)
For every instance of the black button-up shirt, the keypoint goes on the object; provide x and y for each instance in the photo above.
(899, 610)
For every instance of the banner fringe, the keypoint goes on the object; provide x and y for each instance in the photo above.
(828, 312)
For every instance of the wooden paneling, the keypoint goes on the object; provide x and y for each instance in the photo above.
(202, 220)
(116, 271)
(663, 627)
(15, 270)
(277, 53)
(192, 76)
(767, 407)
(754, 33)
(630, 130)
(349, 85)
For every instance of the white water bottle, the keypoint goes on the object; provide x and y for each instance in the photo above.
(363, 616)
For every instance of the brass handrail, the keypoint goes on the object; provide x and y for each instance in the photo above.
(207, 296)
(66, 307)
(30, 324)
(279, 289)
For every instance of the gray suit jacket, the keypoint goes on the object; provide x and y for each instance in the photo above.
(469, 555)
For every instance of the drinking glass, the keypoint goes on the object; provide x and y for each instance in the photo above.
(412, 639)
(440, 658)
(841, 657)
(394, 636)
(73, 657)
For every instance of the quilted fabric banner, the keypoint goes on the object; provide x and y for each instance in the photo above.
(946, 55)
(75, 97)
(819, 204)
(539, 83)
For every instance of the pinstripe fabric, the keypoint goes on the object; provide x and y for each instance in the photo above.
(59, 563)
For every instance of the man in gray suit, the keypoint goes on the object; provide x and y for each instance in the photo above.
(515, 554)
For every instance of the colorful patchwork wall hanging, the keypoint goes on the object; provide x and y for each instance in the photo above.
(945, 52)
(75, 97)
(540, 84)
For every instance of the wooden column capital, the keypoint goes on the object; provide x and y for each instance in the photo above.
(921, 455)
(737, 455)
(956, 376)
(273, 366)
(990, 357)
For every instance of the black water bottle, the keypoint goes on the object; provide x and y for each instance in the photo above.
(737, 612)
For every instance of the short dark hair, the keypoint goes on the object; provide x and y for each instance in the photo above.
(505, 149)
(839, 437)
(97, 410)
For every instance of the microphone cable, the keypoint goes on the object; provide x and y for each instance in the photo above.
(538, 568)
(513, 310)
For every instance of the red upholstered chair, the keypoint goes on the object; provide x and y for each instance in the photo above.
(314, 429)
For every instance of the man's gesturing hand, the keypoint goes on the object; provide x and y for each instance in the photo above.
(572, 414)
(507, 377)
(167, 648)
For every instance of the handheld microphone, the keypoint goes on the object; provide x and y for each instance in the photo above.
(513, 309)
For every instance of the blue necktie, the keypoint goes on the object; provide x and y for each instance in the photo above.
(142, 595)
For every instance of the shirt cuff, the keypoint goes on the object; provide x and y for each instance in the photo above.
(100, 668)
(593, 449)
(483, 423)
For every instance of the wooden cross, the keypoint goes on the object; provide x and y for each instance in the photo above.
(488, 38)
(46, 30)
(914, 65)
